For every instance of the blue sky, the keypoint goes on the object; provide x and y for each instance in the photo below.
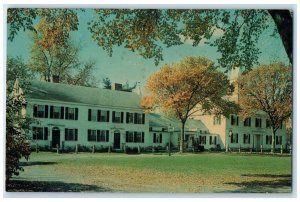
(125, 66)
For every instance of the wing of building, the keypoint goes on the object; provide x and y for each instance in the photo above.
(69, 116)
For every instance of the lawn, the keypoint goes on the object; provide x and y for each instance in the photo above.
(186, 173)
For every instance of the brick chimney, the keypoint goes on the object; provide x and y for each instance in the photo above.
(116, 86)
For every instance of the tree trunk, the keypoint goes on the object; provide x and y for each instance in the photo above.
(182, 138)
(273, 140)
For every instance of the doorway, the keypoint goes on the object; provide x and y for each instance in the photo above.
(117, 140)
(258, 142)
(55, 137)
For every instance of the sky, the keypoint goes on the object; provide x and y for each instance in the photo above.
(126, 66)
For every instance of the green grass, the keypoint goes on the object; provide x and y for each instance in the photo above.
(205, 172)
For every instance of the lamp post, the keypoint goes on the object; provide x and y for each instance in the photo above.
(230, 134)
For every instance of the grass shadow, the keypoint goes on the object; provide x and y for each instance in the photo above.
(275, 184)
(54, 186)
(35, 163)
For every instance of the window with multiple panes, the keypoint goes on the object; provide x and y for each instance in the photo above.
(129, 117)
(234, 120)
(71, 134)
(234, 138)
(213, 140)
(136, 137)
(40, 111)
(40, 133)
(246, 139)
(258, 122)
(56, 112)
(202, 139)
(268, 123)
(71, 113)
(268, 139)
(217, 120)
(103, 115)
(157, 138)
(98, 135)
(247, 122)
(278, 140)
(117, 117)
(139, 118)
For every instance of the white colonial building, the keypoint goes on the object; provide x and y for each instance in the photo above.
(69, 116)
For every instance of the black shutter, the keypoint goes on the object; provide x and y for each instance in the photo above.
(107, 120)
(76, 134)
(34, 110)
(98, 115)
(154, 138)
(67, 113)
(46, 111)
(126, 136)
(135, 117)
(244, 138)
(89, 134)
(232, 120)
(90, 115)
(66, 134)
(51, 112)
(143, 136)
(237, 138)
(237, 120)
(215, 140)
(45, 133)
(98, 136)
(143, 120)
(127, 117)
(134, 137)
(107, 136)
(122, 116)
(62, 112)
(76, 113)
(160, 138)
(113, 116)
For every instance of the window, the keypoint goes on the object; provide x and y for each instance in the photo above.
(258, 122)
(103, 115)
(40, 111)
(278, 140)
(98, 135)
(71, 113)
(217, 120)
(129, 117)
(139, 118)
(40, 133)
(246, 138)
(247, 122)
(234, 120)
(268, 123)
(117, 117)
(157, 138)
(202, 139)
(235, 138)
(56, 112)
(268, 139)
(213, 140)
(71, 134)
(92, 116)
(137, 137)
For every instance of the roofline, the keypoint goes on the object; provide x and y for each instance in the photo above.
(84, 104)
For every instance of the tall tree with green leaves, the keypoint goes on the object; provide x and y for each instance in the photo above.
(267, 88)
(191, 86)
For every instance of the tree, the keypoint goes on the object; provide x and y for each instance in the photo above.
(147, 31)
(106, 83)
(16, 68)
(190, 86)
(267, 88)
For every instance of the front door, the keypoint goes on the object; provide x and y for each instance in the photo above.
(117, 140)
(257, 142)
(55, 137)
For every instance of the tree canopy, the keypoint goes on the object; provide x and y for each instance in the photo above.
(267, 88)
(185, 88)
(149, 31)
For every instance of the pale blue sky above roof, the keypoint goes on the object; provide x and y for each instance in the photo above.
(128, 66)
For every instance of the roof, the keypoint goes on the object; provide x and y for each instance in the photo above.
(159, 120)
(83, 95)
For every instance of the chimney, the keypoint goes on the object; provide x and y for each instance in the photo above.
(55, 78)
(116, 86)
